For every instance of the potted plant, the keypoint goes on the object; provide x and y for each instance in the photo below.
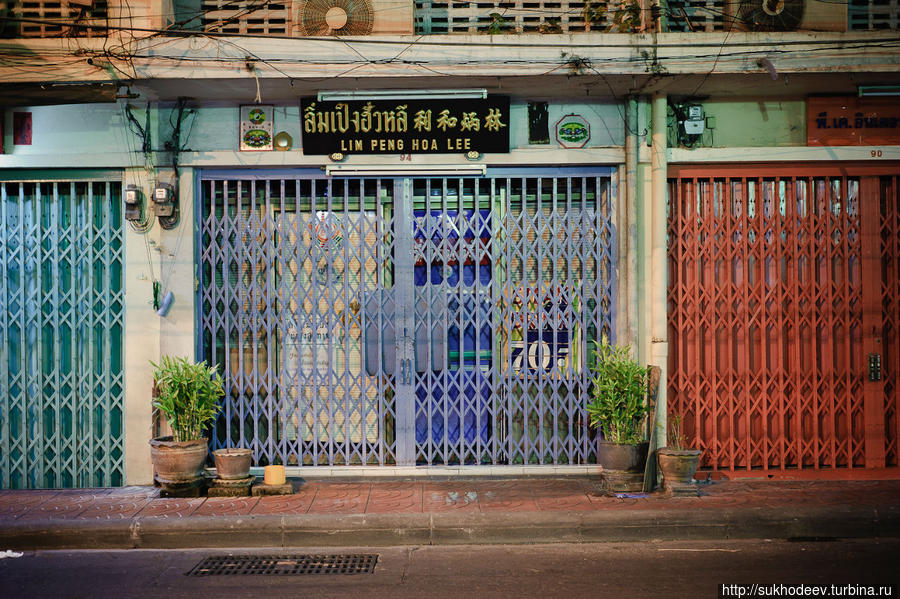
(677, 462)
(232, 463)
(617, 407)
(188, 396)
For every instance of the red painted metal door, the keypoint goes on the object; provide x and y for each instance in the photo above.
(784, 309)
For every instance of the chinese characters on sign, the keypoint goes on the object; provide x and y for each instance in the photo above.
(405, 127)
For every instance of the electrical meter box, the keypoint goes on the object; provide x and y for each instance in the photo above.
(693, 125)
(163, 195)
(133, 203)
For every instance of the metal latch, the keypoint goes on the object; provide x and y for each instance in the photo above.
(874, 367)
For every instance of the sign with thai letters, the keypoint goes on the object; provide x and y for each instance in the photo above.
(405, 127)
(851, 121)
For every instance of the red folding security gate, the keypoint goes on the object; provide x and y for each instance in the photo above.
(784, 310)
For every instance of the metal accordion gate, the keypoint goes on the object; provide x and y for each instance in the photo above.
(406, 320)
(784, 312)
(61, 327)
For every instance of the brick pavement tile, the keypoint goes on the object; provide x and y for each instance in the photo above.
(506, 497)
(395, 498)
(171, 507)
(226, 506)
(560, 487)
(449, 496)
(115, 507)
(341, 498)
(16, 503)
(135, 491)
(298, 503)
(66, 503)
(561, 502)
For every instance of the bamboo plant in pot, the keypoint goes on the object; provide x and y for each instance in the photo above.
(677, 462)
(188, 396)
(618, 410)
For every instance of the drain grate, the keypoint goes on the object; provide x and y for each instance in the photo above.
(290, 565)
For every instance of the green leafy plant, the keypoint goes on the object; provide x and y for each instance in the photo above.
(551, 25)
(626, 18)
(188, 395)
(592, 13)
(497, 25)
(618, 384)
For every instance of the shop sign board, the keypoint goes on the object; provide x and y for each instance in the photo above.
(438, 126)
(257, 128)
(851, 121)
(573, 131)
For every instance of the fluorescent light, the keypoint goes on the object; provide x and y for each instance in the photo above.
(879, 90)
(350, 170)
(402, 94)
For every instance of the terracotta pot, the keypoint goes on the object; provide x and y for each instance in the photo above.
(678, 466)
(274, 475)
(620, 456)
(232, 463)
(178, 463)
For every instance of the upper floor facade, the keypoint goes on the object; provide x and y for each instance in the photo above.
(301, 18)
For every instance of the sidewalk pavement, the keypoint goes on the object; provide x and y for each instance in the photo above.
(459, 511)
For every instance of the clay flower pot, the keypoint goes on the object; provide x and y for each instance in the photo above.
(678, 466)
(621, 456)
(178, 462)
(232, 463)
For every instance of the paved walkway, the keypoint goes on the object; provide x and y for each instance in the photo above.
(325, 512)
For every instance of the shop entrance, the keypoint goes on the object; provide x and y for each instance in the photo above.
(784, 296)
(406, 320)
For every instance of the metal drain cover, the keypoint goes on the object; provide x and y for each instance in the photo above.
(290, 565)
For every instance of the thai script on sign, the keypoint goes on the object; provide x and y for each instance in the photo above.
(399, 126)
(341, 119)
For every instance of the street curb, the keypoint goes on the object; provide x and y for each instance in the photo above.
(450, 528)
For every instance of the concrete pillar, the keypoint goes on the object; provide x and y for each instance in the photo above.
(627, 215)
(657, 280)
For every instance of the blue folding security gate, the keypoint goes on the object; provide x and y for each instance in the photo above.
(406, 320)
(61, 325)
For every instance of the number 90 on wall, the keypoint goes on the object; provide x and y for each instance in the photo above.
(546, 351)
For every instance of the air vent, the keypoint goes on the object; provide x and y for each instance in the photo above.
(337, 17)
(771, 15)
(285, 565)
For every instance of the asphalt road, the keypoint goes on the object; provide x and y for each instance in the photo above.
(627, 570)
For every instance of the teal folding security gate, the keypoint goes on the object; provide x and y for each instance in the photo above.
(403, 320)
(61, 321)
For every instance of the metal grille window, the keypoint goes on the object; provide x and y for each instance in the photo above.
(497, 16)
(54, 18)
(246, 17)
(700, 15)
(873, 15)
(61, 380)
(401, 321)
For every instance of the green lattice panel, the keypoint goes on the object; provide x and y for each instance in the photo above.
(61, 379)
